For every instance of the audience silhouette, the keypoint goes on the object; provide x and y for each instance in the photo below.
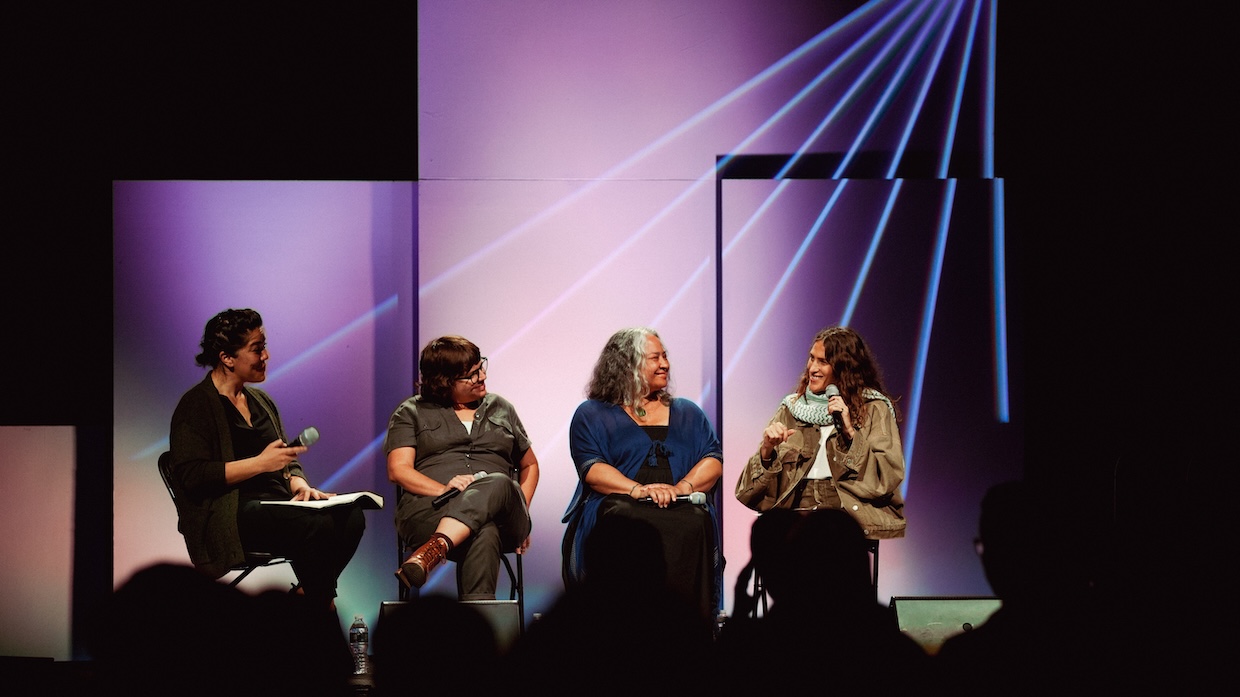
(169, 629)
(1048, 635)
(621, 630)
(823, 629)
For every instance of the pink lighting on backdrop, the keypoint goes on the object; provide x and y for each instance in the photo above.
(567, 164)
(327, 265)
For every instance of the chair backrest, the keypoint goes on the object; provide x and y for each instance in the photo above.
(253, 560)
(165, 473)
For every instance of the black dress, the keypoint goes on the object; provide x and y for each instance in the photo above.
(684, 529)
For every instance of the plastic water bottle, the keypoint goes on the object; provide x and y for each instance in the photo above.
(359, 642)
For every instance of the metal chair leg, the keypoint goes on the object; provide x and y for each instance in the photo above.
(520, 596)
(874, 567)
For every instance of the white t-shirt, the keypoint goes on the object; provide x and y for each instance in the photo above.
(822, 467)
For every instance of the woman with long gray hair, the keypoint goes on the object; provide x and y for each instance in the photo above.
(642, 453)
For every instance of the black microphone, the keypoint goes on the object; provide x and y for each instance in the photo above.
(697, 498)
(450, 493)
(836, 416)
(307, 438)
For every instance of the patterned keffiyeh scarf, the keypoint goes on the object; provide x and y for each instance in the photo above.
(812, 408)
(809, 407)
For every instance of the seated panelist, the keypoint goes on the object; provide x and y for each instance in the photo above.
(229, 453)
(640, 453)
(453, 449)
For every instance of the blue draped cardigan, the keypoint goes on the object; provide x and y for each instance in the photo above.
(603, 432)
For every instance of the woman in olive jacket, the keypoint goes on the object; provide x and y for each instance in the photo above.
(834, 442)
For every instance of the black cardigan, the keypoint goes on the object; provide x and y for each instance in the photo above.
(200, 443)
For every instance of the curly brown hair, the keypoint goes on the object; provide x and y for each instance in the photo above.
(854, 367)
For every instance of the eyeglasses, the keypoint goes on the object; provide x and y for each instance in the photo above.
(475, 377)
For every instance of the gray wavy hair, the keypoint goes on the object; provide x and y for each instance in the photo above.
(617, 377)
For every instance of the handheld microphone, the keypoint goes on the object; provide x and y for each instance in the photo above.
(697, 498)
(306, 438)
(450, 493)
(836, 416)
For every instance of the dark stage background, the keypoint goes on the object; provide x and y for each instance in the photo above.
(1107, 123)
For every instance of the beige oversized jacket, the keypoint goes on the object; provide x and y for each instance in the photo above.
(867, 475)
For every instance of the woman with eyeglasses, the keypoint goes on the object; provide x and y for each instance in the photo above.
(453, 449)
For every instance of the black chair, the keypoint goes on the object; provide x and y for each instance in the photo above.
(516, 575)
(253, 560)
(761, 600)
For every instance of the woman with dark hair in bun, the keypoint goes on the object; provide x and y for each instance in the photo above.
(229, 452)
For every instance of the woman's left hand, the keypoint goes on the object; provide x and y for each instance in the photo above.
(662, 495)
(304, 492)
(837, 404)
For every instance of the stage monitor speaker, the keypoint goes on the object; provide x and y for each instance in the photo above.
(931, 620)
(503, 616)
(505, 619)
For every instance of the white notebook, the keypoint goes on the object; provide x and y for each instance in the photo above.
(368, 499)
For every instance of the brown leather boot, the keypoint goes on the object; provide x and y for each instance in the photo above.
(424, 559)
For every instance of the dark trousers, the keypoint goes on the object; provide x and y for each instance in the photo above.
(319, 542)
(494, 510)
(686, 534)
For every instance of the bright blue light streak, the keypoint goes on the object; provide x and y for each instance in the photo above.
(953, 121)
(843, 59)
(703, 179)
(920, 101)
(927, 324)
(870, 253)
(685, 126)
(894, 85)
(1000, 293)
(783, 280)
(706, 177)
(1002, 391)
(812, 85)
(862, 80)
(988, 123)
